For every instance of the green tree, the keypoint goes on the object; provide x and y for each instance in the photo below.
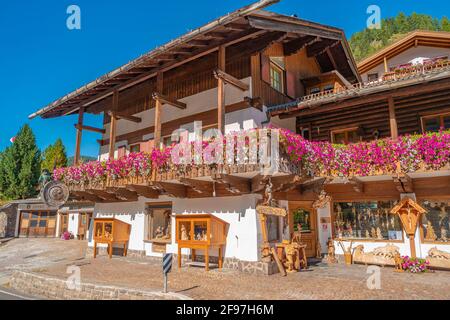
(54, 156)
(445, 24)
(20, 167)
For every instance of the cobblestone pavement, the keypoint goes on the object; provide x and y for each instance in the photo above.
(54, 256)
(338, 282)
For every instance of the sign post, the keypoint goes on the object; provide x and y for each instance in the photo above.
(167, 267)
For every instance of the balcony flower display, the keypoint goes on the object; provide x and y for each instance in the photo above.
(407, 154)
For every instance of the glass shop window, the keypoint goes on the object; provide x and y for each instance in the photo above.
(302, 220)
(273, 228)
(184, 232)
(436, 222)
(200, 231)
(436, 123)
(367, 220)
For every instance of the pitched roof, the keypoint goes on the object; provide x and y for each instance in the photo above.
(244, 24)
(412, 39)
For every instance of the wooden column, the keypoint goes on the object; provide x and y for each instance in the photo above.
(256, 75)
(392, 118)
(113, 125)
(386, 69)
(221, 91)
(76, 159)
(158, 110)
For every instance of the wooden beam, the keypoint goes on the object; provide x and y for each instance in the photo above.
(221, 64)
(103, 194)
(120, 115)
(76, 159)
(166, 100)
(292, 27)
(113, 126)
(144, 191)
(315, 186)
(233, 184)
(227, 78)
(298, 44)
(392, 118)
(89, 128)
(403, 183)
(357, 184)
(386, 69)
(199, 186)
(158, 111)
(171, 189)
(123, 194)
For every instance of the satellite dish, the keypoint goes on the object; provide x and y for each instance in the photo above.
(55, 194)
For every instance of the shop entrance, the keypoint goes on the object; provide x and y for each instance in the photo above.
(303, 219)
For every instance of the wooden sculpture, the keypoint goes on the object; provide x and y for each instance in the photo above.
(380, 256)
(398, 260)
(410, 213)
(438, 258)
(331, 252)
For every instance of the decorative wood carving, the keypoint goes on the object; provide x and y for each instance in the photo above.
(438, 258)
(380, 256)
(410, 213)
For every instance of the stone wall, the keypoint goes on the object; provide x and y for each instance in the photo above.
(54, 288)
(8, 220)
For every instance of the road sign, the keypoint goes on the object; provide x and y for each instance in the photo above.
(167, 267)
(167, 263)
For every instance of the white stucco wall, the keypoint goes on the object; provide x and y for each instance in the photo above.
(407, 56)
(243, 237)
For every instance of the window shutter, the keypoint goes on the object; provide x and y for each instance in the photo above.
(122, 152)
(290, 84)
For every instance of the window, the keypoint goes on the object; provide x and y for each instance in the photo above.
(277, 73)
(436, 222)
(273, 228)
(314, 90)
(135, 148)
(305, 133)
(328, 88)
(302, 220)
(435, 123)
(159, 226)
(367, 220)
(345, 136)
(372, 77)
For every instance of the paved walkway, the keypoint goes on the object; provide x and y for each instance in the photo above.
(338, 282)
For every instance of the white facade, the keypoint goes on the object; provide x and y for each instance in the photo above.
(243, 233)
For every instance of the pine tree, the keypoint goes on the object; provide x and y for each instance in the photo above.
(54, 156)
(20, 167)
(445, 24)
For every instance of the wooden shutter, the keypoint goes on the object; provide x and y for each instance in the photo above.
(265, 68)
(147, 146)
(122, 152)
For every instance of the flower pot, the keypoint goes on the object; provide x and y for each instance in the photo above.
(348, 258)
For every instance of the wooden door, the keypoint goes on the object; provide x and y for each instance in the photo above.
(64, 225)
(302, 214)
(83, 224)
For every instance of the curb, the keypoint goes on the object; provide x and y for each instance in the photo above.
(56, 288)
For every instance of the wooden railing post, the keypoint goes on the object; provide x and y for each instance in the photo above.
(76, 159)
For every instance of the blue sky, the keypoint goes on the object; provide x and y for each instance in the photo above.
(41, 60)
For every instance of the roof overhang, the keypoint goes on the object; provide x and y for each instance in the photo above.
(244, 24)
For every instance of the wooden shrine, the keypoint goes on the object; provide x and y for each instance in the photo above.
(410, 214)
(110, 231)
(201, 232)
